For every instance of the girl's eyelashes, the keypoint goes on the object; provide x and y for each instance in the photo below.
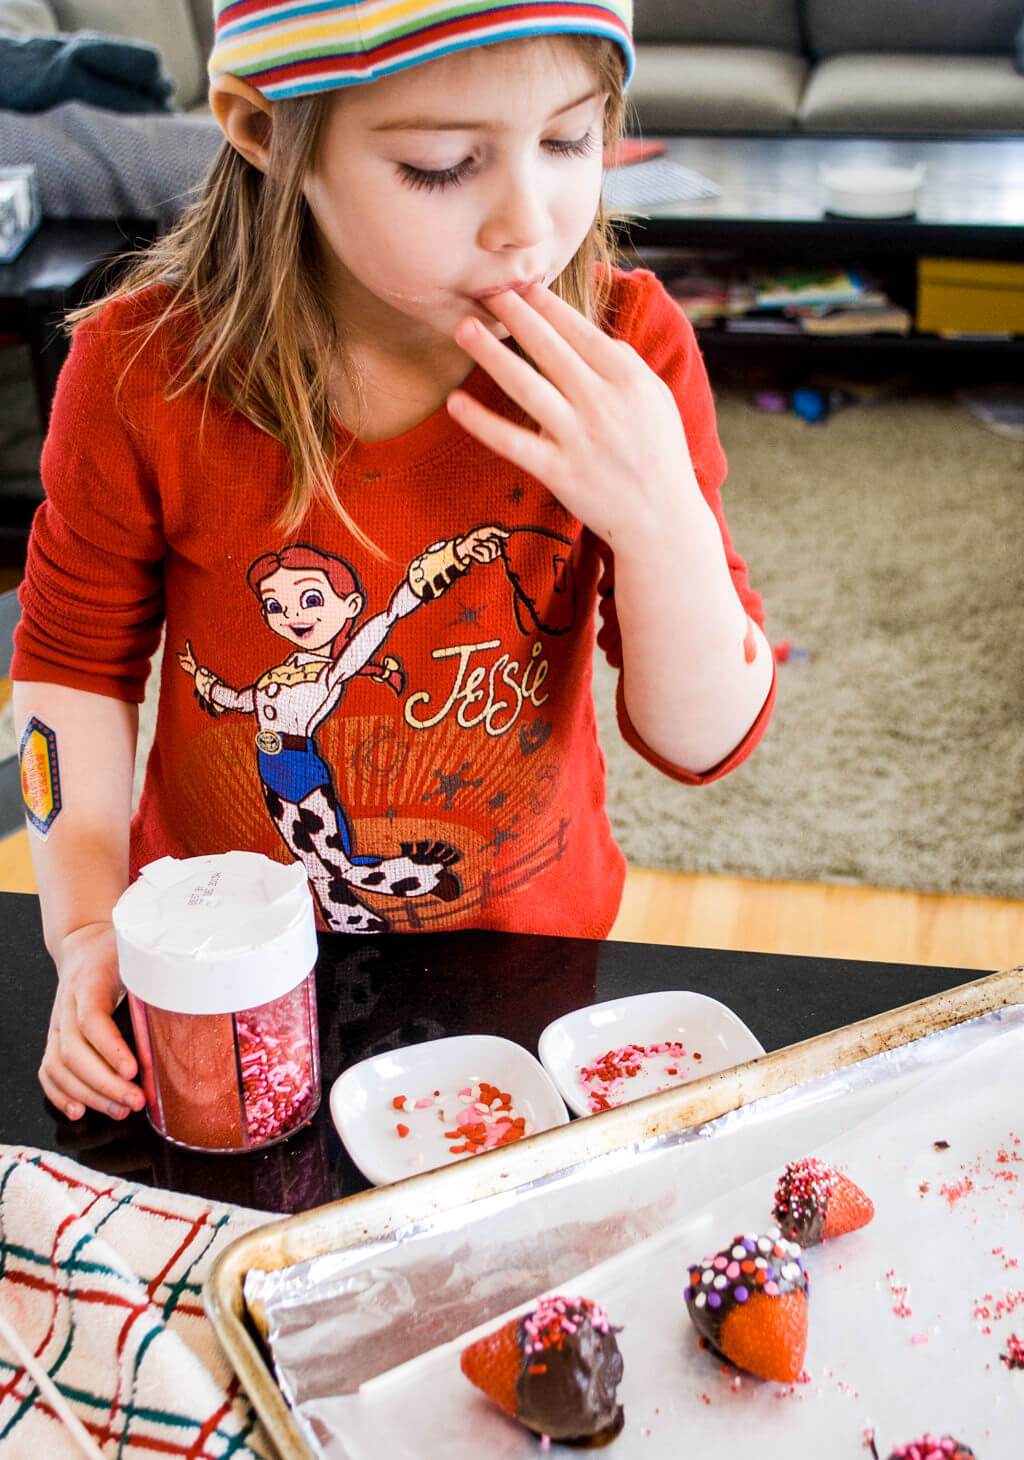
(577, 147)
(421, 177)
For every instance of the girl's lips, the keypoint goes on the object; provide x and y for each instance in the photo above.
(514, 286)
(302, 629)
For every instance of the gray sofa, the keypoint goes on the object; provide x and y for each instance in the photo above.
(94, 163)
(883, 67)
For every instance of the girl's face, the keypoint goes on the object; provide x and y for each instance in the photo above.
(301, 606)
(470, 174)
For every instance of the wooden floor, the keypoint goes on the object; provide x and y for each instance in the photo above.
(774, 917)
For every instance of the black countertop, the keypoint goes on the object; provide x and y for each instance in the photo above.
(379, 993)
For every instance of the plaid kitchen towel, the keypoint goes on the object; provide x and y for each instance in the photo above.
(103, 1279)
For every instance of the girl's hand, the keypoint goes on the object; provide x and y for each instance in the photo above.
(86, 1062)
(611, 445)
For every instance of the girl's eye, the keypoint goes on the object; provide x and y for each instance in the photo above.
(575, 147)
(421, 177)
(271, 605)
(312, 598)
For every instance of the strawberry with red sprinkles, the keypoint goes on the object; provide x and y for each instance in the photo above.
(814, 1202)
(555, 1370)
(931, 1447)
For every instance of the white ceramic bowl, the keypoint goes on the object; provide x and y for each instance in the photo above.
(363, 1112)
(869, 190)
(701, 1025)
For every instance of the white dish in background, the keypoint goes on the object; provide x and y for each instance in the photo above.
(363, 1112)
(701, 1025)
(871, 190)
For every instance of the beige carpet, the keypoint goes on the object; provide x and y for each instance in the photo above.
(888, 543)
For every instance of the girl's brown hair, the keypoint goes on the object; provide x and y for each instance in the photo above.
(243, 274)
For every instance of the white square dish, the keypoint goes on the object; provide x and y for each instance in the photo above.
(435, 1080)
(703, 1036)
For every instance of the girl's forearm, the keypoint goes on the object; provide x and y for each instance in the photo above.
(81, 862)
(690, 686)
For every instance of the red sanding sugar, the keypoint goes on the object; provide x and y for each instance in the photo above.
(230, 1082)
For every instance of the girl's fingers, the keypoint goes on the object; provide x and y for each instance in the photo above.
(523, 448)
(82, 1063)
(589, 344)
(100, 1031)
(72, 1107)
(537, 396)
(546, 339)
(73, 1096)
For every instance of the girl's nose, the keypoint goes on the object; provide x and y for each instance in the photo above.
(517, 218)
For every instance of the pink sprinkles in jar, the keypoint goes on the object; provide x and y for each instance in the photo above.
(278, 1063)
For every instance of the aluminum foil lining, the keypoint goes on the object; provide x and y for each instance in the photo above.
(908, 1317)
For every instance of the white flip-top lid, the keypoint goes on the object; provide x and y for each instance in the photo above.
(215, 935)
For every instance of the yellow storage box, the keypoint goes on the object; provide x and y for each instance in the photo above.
(970, 296)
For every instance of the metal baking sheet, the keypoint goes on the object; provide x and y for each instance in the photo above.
(380, 1291)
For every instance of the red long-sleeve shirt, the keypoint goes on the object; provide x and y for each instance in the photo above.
(481, 735)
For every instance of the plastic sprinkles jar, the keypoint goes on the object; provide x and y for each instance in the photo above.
(218, 956)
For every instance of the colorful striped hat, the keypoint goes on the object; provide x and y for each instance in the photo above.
(294, 47)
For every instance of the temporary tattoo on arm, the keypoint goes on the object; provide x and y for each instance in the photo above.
(40, 776)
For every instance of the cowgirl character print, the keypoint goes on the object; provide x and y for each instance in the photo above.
(313, 600)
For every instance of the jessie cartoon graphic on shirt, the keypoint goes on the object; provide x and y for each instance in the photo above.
(313, 600)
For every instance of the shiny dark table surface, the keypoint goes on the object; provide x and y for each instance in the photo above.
(381, 992)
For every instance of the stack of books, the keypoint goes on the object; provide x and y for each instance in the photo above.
(790, 301)
(830, 302)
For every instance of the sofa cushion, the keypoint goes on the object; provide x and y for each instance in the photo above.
(27, 17)
(722, 22)
(716, 88)
(982, 27)
(900, 93)
(166, 24)
(202, 20)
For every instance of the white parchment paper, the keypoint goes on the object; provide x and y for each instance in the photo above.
(908, 1317)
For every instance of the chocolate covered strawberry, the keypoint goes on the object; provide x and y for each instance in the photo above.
(814, 1202)
(749, 1304)
(556, 1370)
(930, 1447)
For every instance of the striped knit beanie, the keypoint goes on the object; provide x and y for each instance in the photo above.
(295, 47)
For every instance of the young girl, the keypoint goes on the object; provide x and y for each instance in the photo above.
(384, 378)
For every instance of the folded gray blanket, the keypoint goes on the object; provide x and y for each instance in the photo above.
(92, 163)
(41, 71)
